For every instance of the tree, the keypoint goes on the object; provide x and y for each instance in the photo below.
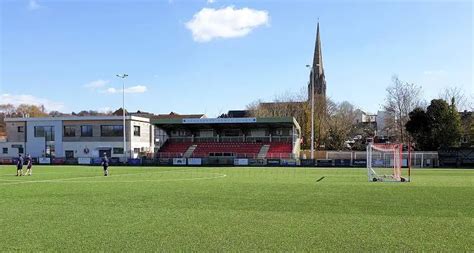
(57, 114)
(438, 126)
(7, 109)
(419, 127)
(25, 110)
(445, 123)
(402, 98)
(460, 100)
(341, 118)
(96, 113)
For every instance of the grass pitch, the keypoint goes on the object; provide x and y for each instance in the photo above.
(73, 208)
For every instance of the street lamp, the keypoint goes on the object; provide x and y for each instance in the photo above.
(312, 110)
(123, 76)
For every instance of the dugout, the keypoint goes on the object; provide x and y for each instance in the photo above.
(222, 140)
(456, 157)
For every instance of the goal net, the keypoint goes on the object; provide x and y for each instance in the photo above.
(384, 163)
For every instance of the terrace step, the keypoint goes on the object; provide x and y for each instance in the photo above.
(190, 151)
(263, 151)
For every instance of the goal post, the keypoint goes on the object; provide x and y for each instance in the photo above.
(385, 163)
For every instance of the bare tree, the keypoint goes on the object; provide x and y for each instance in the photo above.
(30, 111)
(456, 93)
(340, 124)
(57, 114)
(7, 109)
(402, 98)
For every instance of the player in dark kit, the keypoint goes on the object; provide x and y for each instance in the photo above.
(29, 164)
(19, 166)
(105, 164)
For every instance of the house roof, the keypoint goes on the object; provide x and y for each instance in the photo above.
(174, 115)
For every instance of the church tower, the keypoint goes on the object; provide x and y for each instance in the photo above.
(317, 71)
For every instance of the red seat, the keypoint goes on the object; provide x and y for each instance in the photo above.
(237, 148)
(279, 150)
(173, 149)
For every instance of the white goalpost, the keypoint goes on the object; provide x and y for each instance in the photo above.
(384, 163)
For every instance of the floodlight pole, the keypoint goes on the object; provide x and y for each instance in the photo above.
(123, 76)
(312, 110)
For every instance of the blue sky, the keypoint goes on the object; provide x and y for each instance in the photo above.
(202, 57)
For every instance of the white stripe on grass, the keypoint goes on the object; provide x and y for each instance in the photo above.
(60, 180)
(145, 180)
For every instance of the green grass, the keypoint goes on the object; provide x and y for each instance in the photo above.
(233, 209)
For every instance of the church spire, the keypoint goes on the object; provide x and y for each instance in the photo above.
(317, 77)
(318, 56)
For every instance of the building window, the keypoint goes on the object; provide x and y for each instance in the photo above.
(279, 132)
(50, 151)
(118, 150)
(21, 129)
(5, 150)
(86, 131)
(111, 131)
(69, 131)
(20, 150)
(136, 130)
(136, 150)
(39, 131)
(178, 133)
(232, 132)
(69, 154)
(45, 131)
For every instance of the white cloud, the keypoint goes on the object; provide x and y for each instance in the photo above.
(111, 90)
(133, 89)
(210, 1)
(227, 22)
(434, 72)
(136, 89)
(32, 100)
(33, 5)
(96, 84)
(101, 86)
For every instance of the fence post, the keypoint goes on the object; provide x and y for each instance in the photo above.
(422, 160)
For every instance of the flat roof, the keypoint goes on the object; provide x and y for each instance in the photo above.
(193, 122)
(77, 118)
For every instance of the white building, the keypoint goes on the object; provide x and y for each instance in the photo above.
(363, 117)
(74, 137)
(381, 129)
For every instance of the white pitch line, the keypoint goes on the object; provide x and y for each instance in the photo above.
(147, 180)
(54, 180)
(80, 171)
(75, 178)
(92, 172)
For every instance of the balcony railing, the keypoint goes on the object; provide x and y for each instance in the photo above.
(227, 155)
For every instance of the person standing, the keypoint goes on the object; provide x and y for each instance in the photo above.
(19, 165)
(105, 164)
(29, 165)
